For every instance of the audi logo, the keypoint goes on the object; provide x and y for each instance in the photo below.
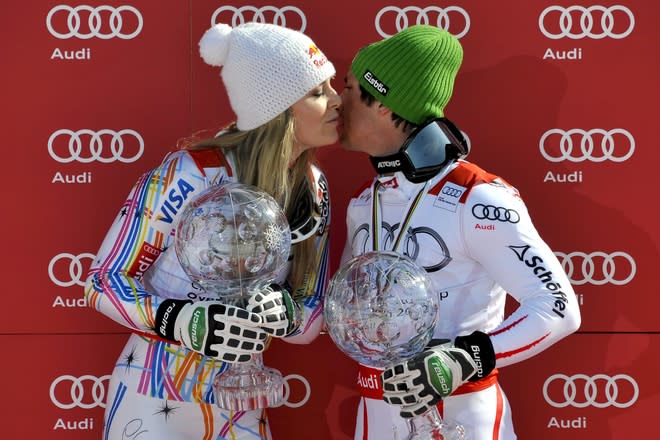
(599, 391)
(86, 392)
(396, 19)
(289, 16)
(75, 269)
(617, 268)
(287, 390)
(416, 239)
(585, 27)
(615, 150)
(452, 192)
(495, 213)
(121, 142)
(103, 22)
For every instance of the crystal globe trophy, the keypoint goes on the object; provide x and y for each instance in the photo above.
(233, 240)
(380, 310)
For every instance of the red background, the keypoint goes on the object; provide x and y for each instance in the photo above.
(508, 94)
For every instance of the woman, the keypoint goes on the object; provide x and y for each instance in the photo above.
(278, 83)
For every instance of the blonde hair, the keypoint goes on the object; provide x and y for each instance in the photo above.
(263, 158)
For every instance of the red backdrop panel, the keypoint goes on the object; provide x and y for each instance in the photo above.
(558, 98)
(59, 393)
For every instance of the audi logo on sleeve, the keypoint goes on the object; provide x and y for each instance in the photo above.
(595, 145)
(598, 268)
(393, 19)
(287, 16)
(577, 22)
(86, 392)
(74, 273)
(103, 22)
(495, 213)
(598, 391)
(104, 146)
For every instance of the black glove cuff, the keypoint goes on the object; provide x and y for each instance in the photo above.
(480, 348)
(166, 315)
(435, 342)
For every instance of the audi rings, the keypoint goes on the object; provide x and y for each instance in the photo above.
(76, 272)
(288, 16)
(414, 240)
(119, 142)
(608, 394)
(287, 390)
(495, 213)
(84, 392)
(619, 151)
(610, 268)
(96, 25)
(452, 192)
(396, 19)
(586, 24)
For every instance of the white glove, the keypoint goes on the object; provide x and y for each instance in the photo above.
(224, 332)
(280, 313)
(419, 383)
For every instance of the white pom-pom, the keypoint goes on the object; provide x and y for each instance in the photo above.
(214, 45)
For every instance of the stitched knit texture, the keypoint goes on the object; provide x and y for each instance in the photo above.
(265, 68)
(412, 73)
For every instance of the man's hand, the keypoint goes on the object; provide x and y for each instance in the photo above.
(280, 314)
(421, 382)
(224, 332)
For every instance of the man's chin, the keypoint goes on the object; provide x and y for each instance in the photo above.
(344, 143)
(348, 147)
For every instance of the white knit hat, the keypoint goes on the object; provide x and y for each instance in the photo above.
(266, 68)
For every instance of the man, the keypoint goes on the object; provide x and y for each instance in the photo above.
(468, 228)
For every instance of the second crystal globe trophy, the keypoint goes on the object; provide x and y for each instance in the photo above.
(380, 310)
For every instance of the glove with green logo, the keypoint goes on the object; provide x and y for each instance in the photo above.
(419, 383)
(280, 313)
(224, 332)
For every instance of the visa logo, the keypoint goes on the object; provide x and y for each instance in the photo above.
(175, 199)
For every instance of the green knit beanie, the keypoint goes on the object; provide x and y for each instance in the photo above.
(411, 73)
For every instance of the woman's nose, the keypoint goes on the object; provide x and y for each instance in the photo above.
(335, 99)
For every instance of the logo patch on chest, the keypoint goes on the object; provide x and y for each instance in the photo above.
(449, 196)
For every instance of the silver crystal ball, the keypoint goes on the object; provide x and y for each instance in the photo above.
(232, 238)
(380, 309)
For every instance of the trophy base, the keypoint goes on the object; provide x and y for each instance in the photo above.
(248, 386)
(430, 426)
